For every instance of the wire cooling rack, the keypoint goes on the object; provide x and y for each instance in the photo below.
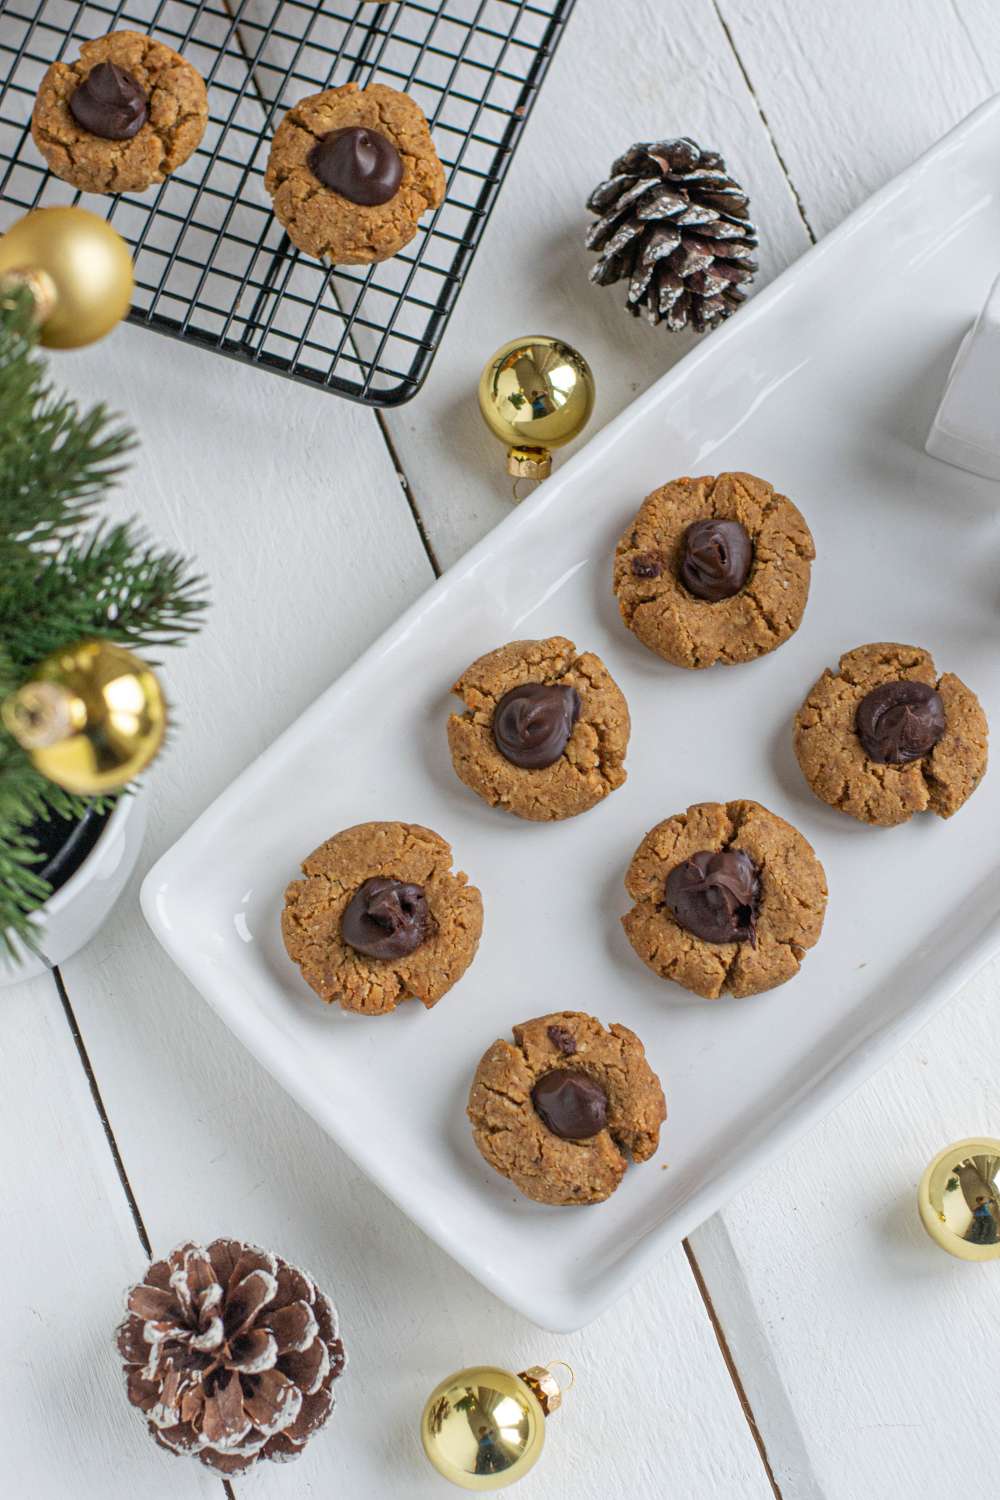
(212, 264)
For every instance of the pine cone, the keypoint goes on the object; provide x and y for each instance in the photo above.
(675, 224)
(231, 1354)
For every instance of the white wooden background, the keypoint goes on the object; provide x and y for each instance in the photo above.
(808, 1342)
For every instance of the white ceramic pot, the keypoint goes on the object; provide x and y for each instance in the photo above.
(80, 907)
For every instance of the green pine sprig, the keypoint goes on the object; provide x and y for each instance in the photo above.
(56, 463)
(64, 575)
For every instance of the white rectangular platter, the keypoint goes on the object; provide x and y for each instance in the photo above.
(826, 385)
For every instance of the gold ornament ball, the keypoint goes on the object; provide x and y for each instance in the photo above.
(535, 393)
(78, 268)
(959, 1199)
(484, 1427)
(91, 717)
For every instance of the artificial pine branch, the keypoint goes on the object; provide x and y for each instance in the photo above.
(64, 576)
(56, 463)
(26, 798)
(111, 584)
(22, 891)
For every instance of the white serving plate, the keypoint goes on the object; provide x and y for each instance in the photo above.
(826, 384)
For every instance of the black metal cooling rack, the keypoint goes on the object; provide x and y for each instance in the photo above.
(212, 264)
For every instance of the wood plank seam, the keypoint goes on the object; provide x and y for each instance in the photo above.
(411, 499)
(764, 121)
(116, 1156)
(404, 482)
(95, 1094)
(432, 558)
(974, 44)
(730, 1364)
(418, 520)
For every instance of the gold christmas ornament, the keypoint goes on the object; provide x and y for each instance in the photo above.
(959, 1199)
(91, 717)
(535, 393)
(484, 1428)
(77, 268)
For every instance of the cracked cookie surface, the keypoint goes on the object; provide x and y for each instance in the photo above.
(511, 1135)
(321, 221)
(592, 763)
(310, 922)
(693, 632)
(792, 905)
(838, 770)
(177, 105)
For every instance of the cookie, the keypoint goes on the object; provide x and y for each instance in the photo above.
(728, 897)
(557, 1110)
(351, 171)
(544, 732)
(125, 115)
(885, 737)
(714, 570)
(380, 918)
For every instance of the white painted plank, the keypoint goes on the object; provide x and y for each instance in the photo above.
(621, 74)
(70, 1249)
(251, 474)
(815, 1409)
(290, 501)
(842, 139)
(855, 1337)
(865, 1350)
(854, 92)
(223, 1150)
(981, 21)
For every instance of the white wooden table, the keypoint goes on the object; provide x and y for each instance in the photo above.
(809, 1341)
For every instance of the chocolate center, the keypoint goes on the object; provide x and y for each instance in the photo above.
(359, 164)
(386, 919)
(572, 1105)
(110, 103)
(532, 723)
(716, 896)
(716, 558)
(900, 721)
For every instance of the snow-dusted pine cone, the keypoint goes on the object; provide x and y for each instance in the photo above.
(674, 224)
(231, 1354)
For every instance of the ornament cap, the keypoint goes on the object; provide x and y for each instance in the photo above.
(41, 714)
(40, 287)
(540, 1379)
(959, 1199)
(529, 463)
